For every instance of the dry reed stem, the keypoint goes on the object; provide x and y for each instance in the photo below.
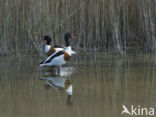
(116, 24)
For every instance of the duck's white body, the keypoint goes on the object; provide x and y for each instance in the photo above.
(48, 47)
(56, 59)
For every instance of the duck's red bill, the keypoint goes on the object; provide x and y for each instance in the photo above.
(42, 40)
(73, 37)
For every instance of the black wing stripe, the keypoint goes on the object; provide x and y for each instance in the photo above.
(42, 62)
(55, 55)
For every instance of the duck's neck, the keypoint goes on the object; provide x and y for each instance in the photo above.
(67, 42)
(48, 42)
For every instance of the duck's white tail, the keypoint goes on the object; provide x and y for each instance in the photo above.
(42, 65)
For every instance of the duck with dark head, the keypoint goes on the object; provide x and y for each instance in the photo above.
(51, 49)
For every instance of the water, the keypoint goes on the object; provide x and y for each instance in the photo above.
(88, 86)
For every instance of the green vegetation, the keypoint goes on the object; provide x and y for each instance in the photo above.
(120, 25)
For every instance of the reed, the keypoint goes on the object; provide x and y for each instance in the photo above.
(119, 25)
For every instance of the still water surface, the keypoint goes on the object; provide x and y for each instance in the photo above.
(88, 86)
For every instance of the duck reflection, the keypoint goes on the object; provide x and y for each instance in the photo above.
(64, 71)
(59, 82)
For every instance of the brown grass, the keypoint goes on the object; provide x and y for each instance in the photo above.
(98, 24)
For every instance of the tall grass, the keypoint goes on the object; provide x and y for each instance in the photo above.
(115, 24)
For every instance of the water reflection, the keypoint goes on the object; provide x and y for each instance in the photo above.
(60, 82)
(100, 85)
(53, 71)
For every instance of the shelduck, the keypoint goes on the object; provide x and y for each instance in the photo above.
(52, 49)
(61, 57)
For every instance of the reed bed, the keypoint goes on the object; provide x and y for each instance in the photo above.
(119, 25)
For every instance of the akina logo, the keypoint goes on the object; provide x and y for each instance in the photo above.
(137, 110)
